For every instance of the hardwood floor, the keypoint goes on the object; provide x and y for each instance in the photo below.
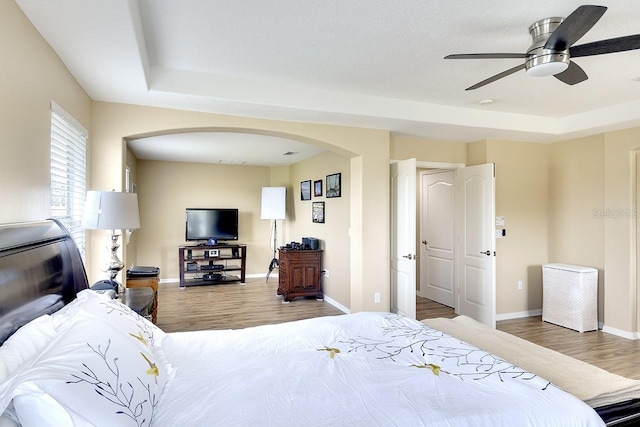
(610, 352)
(233, 306)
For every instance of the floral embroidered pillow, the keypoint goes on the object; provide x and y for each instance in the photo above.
(91, 374)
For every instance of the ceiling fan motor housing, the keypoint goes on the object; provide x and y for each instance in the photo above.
(545, 62)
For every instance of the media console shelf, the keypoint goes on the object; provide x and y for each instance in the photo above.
(211, 264)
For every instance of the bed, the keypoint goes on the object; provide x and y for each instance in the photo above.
(71, 356)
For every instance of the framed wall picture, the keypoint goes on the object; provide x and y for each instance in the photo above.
(334, 185)
(305, 190)
(317, 188)
(317, 212)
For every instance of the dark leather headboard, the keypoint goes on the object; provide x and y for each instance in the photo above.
(40, 271)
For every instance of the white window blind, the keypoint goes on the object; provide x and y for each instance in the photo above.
(68, 172)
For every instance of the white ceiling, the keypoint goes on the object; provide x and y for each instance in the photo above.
(369, 63)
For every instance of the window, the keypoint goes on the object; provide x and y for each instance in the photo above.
(68, 172)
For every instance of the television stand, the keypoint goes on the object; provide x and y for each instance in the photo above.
(204, 264)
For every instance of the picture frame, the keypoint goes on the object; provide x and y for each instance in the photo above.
(334, 185)
(317, 188)
(317, 212)
(305, 190)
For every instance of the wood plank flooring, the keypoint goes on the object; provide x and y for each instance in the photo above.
(233, 306)
(610, 352)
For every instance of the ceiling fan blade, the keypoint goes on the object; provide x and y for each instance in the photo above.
(572, 75)
(487, 56)
(574, 27)
(619, 44)
(496, 77)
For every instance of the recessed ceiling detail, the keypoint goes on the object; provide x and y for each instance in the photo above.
(222, 148)
(375, 64)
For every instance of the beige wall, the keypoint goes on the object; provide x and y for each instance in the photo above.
(620, 242)
(367, 149)
(130, 241)
(576, 196)
(31, 76)
(427, 150)
(522, 199)
(334, 233)
(166, 189)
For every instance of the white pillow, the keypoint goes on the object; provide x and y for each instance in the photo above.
(25, 344)
(92, 373)
(99, 306)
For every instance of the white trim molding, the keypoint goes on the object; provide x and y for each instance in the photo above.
(621, 333)
(518, 315)
(337, 305)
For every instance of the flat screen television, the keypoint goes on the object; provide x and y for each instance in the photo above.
(205, 223)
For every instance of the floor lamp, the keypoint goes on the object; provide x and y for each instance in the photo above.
(273, 207)
(111, 210)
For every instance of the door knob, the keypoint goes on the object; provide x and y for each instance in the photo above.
(407, 256)
(487, 253)
(424, 242)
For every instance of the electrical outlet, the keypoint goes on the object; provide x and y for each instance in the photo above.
(324, 273)
(519, 285)
(376, 298)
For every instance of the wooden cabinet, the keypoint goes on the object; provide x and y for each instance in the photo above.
(299, 274)
(212, 264)
(150, 281)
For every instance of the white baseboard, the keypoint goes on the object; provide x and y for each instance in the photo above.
(518, 314)
(337, 305)
(620, 333)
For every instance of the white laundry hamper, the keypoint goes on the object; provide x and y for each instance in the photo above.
(570, 296)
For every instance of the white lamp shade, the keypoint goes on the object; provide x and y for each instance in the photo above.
(110, 210)
(273, 203)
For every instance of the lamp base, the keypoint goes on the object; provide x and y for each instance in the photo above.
(272, 266)
(115, 265)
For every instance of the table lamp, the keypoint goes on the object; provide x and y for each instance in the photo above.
(111, 210)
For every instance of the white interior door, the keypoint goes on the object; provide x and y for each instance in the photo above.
(476, 244)
(437, 228)
(403, 238)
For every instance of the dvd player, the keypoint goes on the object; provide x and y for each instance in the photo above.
(212, 267)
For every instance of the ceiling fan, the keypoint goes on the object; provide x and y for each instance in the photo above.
(552, 48)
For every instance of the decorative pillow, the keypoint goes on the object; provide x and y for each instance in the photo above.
(92, 373)
(99, 306)
(26, 343)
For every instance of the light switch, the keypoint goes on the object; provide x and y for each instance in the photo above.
(499, 221)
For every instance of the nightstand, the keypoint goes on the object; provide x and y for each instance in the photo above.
(140, 300)
(145, 281)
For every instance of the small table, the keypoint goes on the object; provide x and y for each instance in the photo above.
(149, 280)
(139, 300)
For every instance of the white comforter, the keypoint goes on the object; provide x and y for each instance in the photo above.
(365, 369)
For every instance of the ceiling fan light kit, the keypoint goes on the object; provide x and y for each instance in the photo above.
(552, 48)
(543, 62)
